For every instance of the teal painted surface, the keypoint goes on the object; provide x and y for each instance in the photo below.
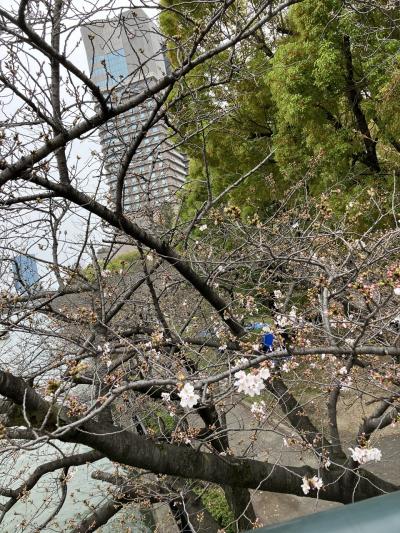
(376, 515)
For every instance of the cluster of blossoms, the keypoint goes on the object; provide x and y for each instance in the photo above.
(311, 483)
(75, 406)
(283, 321)
(365, 455)
(291, 441)
(326, 462)
(185, 437)
(278, 298)
(346, 383)
(258, 410)
(188, 397)
(253, 383)
(166, 397)
(106, 351)
(289, 365)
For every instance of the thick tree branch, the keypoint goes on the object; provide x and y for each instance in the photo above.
(355, 99)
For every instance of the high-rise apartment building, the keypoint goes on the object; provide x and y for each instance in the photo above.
(124, 55)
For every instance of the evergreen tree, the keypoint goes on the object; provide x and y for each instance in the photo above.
(322, 92)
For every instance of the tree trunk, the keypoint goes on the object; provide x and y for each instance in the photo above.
(239, 501)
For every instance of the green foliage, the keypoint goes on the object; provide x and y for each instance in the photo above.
(123, 261)
(160, 418)
(88, 272)
(309, 80)
(215, 502)
(292, 94)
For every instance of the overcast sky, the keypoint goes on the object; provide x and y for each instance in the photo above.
(73, 226)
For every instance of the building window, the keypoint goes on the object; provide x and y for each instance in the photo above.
(114, 68)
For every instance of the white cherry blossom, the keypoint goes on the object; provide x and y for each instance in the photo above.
(293, 314)
(282, 321)
(365, 455)
(285, 367)
(258, 410)
(166, 396)
(314, 483)
(264, 373)
(305, 485)
(278, 294)
(346, 383)
(396, 291)
(251, 384)
(188, 397)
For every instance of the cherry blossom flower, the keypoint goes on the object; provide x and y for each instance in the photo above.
(305, 485)
(365, 455)
(278, 294)
(188, 397)
(166, 397)
(105, 348)
(285, 367)
(316, 482)
(251, 384)
(258, 410)
(313, 483)
(264, 373)
(282, 321)
(293, 314)
(346, 383)
(291, 365)
(203, 227)
(343, 370)
(396, 291)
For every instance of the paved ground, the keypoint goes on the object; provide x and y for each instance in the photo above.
(272, 507)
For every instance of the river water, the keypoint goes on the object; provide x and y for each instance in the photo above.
(83, 494)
